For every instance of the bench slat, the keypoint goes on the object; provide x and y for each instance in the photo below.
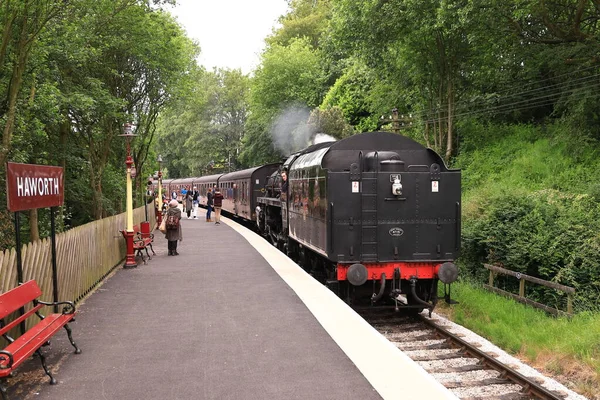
(15, 298)
(27, 344)
(21, 318)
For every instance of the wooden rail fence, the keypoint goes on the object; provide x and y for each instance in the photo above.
(521, 296)
(84, 255)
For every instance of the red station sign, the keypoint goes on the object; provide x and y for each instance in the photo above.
(31, 186)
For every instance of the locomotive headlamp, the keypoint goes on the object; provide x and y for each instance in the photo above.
(397, 187)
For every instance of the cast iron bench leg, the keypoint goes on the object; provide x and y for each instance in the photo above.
(43, 360)
(68, 329)
(150, 244)
(3, 391)
(139, 253)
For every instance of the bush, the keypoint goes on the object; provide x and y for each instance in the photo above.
(546, 234)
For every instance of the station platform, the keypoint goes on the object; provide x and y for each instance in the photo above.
(229, 318)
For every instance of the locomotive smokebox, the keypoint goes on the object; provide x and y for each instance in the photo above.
(357, 274)
(448, 272)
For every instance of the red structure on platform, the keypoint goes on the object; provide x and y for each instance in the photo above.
(130, 259)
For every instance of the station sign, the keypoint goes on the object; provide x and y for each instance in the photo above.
(31, 186)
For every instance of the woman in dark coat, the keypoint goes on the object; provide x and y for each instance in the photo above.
(173, 235)
(189, 207)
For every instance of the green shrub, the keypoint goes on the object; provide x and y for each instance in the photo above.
(529, 205)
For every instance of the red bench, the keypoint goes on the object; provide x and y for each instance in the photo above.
(18, 350)
(142, 239)
(147, 235)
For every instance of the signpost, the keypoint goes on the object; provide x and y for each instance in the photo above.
(30, 186)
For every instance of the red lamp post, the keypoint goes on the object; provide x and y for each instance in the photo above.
(130, 259)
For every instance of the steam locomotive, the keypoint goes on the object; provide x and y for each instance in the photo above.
(376, 216)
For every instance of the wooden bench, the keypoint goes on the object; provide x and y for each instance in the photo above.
(142, 239)
(18, 350)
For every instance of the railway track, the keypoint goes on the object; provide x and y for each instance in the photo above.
(460, 366)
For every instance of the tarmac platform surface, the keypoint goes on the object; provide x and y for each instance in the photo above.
(226, 319)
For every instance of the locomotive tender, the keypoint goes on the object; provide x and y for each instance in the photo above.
(375, 216)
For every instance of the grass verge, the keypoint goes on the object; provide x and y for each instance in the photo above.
(566, 349)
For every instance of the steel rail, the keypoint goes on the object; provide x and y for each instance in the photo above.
(529, 386)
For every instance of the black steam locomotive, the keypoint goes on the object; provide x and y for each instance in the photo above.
(375, 216)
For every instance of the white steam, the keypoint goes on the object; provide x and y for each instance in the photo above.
(292, 131)
(321, 138)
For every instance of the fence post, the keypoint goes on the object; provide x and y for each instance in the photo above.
(491, 280)
(569, 304)
(522, 287)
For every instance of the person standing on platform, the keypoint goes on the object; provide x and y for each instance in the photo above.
(188, 204)
(184, 192)
(209, 204)
(195, 201)
(173, 225)
(218, 202)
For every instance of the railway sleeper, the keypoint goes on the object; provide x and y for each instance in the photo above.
(436, 346)
(464, 368)
(475, 383)
(506, 396)
(435, 357)
(413, 336)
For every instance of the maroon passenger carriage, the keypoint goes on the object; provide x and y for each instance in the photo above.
(241, 189)
(204, 183)
(375, 216)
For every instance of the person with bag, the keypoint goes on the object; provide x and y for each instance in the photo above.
(218, 202)
(173, 233)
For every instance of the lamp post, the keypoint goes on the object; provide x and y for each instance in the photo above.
(149, 195)
(160, 202)
(130, 259)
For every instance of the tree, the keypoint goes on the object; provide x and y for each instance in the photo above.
(288, 76)
(201, 132)
(23, 23)
(130, 57)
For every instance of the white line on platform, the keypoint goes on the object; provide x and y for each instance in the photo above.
(392, 373)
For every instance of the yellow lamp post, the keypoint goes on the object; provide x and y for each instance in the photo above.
(160, 202)
(130, 259)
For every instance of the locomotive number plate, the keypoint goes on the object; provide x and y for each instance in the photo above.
(396, 232)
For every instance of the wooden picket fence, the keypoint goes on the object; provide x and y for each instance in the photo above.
(84, 255)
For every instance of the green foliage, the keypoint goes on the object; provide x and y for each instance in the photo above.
(330, 121)
(288, 76)
(350, 94)
(529, 207)
(306, 19)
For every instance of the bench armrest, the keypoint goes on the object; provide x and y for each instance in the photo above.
(69, 306)
(3, 355)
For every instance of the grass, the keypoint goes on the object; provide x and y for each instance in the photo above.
(566, 349)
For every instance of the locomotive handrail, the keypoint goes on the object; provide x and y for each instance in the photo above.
(331, 227)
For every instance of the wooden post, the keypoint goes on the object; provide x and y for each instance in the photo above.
(570, 304)
(491, 280)
(522, 287)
